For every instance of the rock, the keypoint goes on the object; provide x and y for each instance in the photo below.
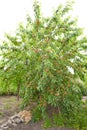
(17, 121)
(14, 117)
(25, 115)
(9, 121)
(5, 128)
(0, 128)
(14, 124)
(4, 125)
(21, 117)
(13, 120)
(22, 120)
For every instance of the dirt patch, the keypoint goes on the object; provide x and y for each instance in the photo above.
(9, 105)
(35, 126)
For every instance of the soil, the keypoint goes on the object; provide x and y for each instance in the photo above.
(36, 126)
(9, 105)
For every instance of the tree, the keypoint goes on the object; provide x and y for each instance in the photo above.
(45, 56)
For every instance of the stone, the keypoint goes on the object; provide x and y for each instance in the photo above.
(0, 128)
(4, 125)
(25, 115)
(22, 120)
(5, 128)
(15, 116)
(14, 124)
(9, 121)
(18, 121)
(21, 117)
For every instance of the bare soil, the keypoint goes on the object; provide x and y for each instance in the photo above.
(9, 105)
(36, 126)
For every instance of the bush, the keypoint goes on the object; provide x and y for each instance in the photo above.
(45, 57)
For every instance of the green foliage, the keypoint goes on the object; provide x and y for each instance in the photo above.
(84, 90)
(37, 115)
(58, 120)
(78, 120)
(43, 61)
(85, 85)
(47, 123)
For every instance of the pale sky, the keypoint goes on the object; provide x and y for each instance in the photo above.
(13, 12)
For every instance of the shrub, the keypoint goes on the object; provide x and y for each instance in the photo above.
(45, 56)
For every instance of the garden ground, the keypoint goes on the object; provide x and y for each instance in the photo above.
(9, 105)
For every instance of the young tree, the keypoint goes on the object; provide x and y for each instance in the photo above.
(45, 56)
